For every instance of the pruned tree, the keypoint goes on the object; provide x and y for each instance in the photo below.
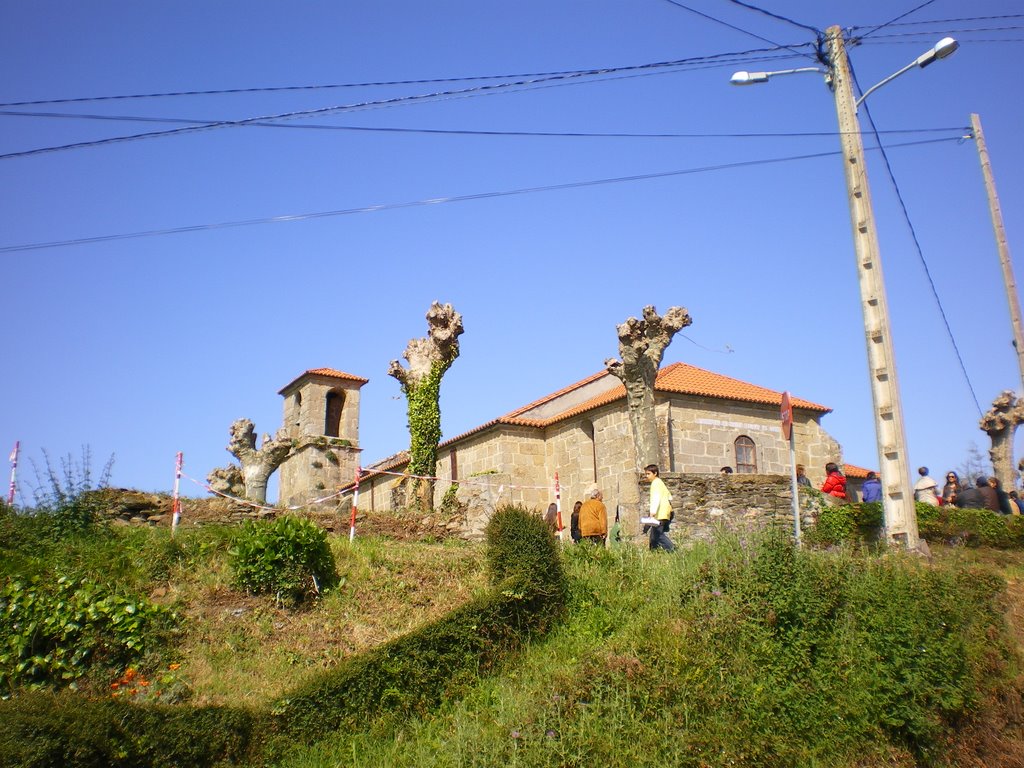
(257, 464)
(1000, 423)
(428, 358)
(642, 345)
(227, 480)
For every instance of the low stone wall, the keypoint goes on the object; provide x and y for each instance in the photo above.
(704, 504)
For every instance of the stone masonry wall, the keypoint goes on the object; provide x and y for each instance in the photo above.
(705, 504)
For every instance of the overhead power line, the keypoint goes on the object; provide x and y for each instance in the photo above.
(809, 28)
(490, 90)
(381, 83)
(434, 201)
(468, 132)
(940, 30)
(397, 100)
(733, 27)
(901, 16)
(949, 21)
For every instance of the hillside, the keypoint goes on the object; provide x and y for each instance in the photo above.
(725, 655)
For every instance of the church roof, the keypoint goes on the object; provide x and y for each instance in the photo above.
(328, 372)
(678, 378)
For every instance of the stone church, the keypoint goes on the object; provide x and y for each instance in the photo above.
(581, 433)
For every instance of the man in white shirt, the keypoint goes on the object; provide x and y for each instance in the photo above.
(925, 489)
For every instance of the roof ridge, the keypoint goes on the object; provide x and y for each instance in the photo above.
(548, 398)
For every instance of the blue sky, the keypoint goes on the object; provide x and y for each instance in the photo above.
(143, 347)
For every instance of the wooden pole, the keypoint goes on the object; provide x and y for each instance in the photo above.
(1001, 245)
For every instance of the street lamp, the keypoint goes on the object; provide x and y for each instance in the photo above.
(897, 496)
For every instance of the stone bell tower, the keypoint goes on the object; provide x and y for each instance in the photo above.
(321, 417)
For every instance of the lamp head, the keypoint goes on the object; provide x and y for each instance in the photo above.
(748, 78)
(941, 50)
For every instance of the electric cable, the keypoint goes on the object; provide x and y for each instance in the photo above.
(417, 98)
(434, 201)
(815, 30)
(949, 21)
(948, 30)
(730, 26)
(330, 86)
(893, 21)
(468, 132)
(917, 244)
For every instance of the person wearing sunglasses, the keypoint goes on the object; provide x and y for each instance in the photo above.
(951, 489)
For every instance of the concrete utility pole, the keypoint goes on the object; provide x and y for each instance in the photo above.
(1004, 249)
(897, 496)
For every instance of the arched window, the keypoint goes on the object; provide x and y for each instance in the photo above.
(746, 455)
(334, 405)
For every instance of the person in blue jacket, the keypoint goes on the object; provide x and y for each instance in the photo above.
(872, 488)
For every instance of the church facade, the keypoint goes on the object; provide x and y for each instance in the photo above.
(580, 434)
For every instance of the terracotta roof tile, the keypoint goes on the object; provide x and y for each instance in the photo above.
(691, 380)
(852, 470)
(678, 378)
(328, 372)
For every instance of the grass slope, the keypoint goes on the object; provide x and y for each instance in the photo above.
(729, 654)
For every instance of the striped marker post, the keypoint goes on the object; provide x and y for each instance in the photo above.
(355, 506)
(176, 507)
(558, 507)
(14, 472)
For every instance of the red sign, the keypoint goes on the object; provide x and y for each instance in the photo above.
(786, 414)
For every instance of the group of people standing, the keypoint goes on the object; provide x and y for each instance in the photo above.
(589, 519)
(987, 493)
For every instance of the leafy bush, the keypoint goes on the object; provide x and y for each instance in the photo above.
(413, 673)
(798, 655)
(289, 557)
(44, 731)
(972, 527)
(53, 634)
(520, 547)
(847, 523)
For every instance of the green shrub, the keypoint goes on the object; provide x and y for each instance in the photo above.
(798, 655)
(413, 673)
(289, 557)
(847, 524)
(520, 547)
(971, 527)
(66, 731)
(52, 634)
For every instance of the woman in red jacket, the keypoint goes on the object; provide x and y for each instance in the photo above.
(835, 483)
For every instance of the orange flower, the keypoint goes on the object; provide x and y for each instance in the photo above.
(173, 667)
(115, 686)
(129, 674)
(143, 683)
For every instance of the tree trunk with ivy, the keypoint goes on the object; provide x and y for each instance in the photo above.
(428, 358)
(257, 464)
(642, 344)
(1000, 423)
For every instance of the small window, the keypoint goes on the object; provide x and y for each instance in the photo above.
(455, 466)
(746, 456)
